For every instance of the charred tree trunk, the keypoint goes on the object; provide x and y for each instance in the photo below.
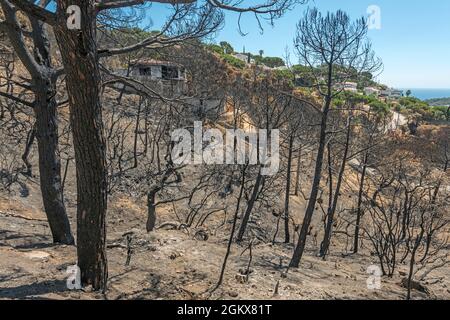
(287, 238)
(79, 55)
(151, 209)
(136, 134)
(297, 256)
(43, 84)
(2, 111)
(297, 176)
(50, 166)
(250, 205)
(406, 213)
(233, 228)
(153, 191)
(325, 245)
(47, 136)
(412, 262)
(359, 207)
(30, 141)
(146, 125)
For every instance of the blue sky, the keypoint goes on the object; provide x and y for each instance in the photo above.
(413, 42)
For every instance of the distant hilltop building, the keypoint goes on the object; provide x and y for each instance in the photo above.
(351, 86)
(347, 86)
(244, 57)
(372, 91)
(391, 93)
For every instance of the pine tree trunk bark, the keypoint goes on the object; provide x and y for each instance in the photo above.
(80, 59)
(297, 177)
(287, 238)
(325, 245)
(43, 84)
(136, 134)
(250, 205)
(151, 209)
(50, 166)
(359, 207)
(29, 145)
(299, 249)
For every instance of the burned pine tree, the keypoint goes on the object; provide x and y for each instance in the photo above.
(44, 76)
(334, 49)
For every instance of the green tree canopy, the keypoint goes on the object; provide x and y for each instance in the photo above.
(227, 48)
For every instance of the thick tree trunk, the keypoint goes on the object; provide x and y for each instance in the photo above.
(50, 167)
(43, 85)
(325, 245)
(79, 55)
(287, 238)
(250, 205)
(298, 252)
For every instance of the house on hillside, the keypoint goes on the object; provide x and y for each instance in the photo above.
(347, 86)
(244, 57)
(396, 94)
(351, 86)
(164, 77)
(168, 79)
(391, 93)
(371, 91)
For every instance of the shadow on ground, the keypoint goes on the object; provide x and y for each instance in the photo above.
(30, 291)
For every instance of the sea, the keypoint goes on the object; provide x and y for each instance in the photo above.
(425, 94)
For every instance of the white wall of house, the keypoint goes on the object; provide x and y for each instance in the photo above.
(351, 86)
(396, 93)
(392, 93)
(241, 56)
(371, 91)
(156, 72)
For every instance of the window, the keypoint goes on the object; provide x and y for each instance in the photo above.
(169, 72)
(147, 71)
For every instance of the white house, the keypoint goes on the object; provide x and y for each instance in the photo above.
(151, 69)
(392, 93)
(164, 76)
(349, 86)
(395, 94)
(241, 56)
(244, 57)
(371, 91)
